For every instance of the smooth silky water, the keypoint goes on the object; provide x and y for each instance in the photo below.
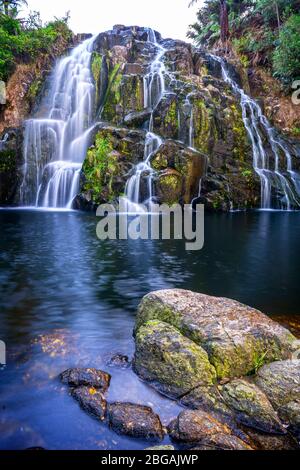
(59, 281)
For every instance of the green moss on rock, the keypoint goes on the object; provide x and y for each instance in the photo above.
(165, 357)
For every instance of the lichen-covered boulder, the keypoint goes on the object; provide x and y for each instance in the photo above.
(236, 337)
(191, 427)
(171, 362)
(280, 381)
(87, 377)
(222, 442)
(135, 420)
(251, 406)
(91, 400)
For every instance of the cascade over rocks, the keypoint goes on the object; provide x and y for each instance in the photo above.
(197, 110)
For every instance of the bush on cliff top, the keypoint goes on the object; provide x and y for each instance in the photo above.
(25, 41)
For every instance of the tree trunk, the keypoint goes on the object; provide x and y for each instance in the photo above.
(278, 15)
(224, 22)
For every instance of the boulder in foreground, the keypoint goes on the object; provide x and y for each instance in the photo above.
(135, 421)
(199, 427)
(236, 337)
(171, 362)
(280, 381)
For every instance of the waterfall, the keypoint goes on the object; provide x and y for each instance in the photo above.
(55, 144)
(273, 178)
(154, 89)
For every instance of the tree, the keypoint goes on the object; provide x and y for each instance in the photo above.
(224, 21)
(11, 6)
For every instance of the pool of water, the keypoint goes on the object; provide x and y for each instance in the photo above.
(68, 299)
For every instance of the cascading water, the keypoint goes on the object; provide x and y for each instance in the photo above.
(262, 135)
(55, 145)
(154, 89)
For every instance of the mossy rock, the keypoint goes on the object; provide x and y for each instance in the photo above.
(171, 362)
(236, 337)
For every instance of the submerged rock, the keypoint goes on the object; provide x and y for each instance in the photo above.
(135, 421)
(280, 381)
(191, 427)
(251, 406)
(170, 361)
(88, 377)
(236, 337)
(120, 361)
(91, 400)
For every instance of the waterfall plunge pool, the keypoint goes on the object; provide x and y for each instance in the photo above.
(69, 300)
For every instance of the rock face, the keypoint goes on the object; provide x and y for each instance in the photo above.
(280, 381)
(198, 110)
(135, 421)
(199, 427)
(235, 336)
(166, 358)
(251, 406)
(92, 378)
(108, 164)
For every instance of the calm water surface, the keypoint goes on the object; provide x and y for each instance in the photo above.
(68, 300)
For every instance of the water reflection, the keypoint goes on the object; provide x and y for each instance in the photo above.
(59, 282)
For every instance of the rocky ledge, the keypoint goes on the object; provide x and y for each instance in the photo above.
(234, 371)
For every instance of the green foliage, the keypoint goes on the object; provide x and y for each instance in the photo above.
(262, 32)
(27, 40)
(286, 58)
(98, 165)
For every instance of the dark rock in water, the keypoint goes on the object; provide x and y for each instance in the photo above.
(11, 142)
(135, 421)
(119, 360)
(191, 427)
(251, 406)
(136, 119)
(234, 335)
(280, 381)
(171, 362)
(264, 441)
(290, 414)
(88, 377)
(91, 400)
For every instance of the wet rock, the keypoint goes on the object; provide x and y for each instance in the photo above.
(222, 442)
(290, 415)
(264, 441)
(251, 406)
(135, 421)
(179, 169)
(122, 148)
(234, 335)
(88, 377)
(172, 363)
(208, 399)
(280, 381)
(120, 361)
(137, 119)
(91, 400)
(165, 117)
(191, 427)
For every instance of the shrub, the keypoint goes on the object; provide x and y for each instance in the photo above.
(286, 57)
